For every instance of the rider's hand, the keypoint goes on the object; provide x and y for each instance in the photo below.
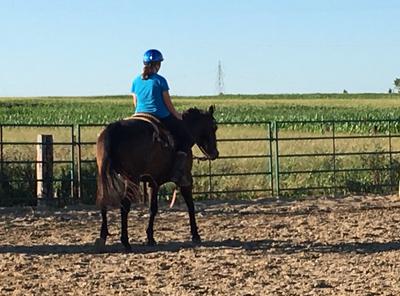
(178, 115)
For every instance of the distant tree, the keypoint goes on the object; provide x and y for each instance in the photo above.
(389, 91)
(397, 84)
(345, 91)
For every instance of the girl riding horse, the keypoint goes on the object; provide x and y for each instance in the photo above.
(150, 93)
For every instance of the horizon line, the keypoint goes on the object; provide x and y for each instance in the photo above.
(215, 95)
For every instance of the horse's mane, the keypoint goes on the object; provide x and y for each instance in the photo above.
(193, 113)
(193, 110)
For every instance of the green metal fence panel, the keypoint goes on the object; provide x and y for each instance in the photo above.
(337, 157)
(87, 173)
(244, 167)
(18, 144)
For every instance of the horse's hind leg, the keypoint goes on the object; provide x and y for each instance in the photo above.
(104, 226)
(101, 242)
(153, 213)
(125, 208)
(187, 195)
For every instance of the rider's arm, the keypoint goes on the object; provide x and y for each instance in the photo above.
(170, 106)
(134, 100)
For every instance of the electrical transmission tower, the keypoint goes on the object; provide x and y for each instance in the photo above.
(220, 79)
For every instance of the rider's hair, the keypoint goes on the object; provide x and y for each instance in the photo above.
(148, 69)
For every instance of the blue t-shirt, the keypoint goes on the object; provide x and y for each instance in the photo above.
(149, 95)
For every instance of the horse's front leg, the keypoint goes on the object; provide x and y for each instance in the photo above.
(125, 208)
(153, 212)
(187, 195)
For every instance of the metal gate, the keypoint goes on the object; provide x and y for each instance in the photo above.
(337, 158)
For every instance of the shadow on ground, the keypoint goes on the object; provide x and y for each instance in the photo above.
(270, 246)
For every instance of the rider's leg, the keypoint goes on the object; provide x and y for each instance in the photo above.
(184, 142)
(179, 171)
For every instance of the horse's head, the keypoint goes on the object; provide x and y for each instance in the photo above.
(202, 126)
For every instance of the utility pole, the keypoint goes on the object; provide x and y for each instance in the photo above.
(220, 80)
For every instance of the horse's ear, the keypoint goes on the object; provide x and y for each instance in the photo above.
(211, 109)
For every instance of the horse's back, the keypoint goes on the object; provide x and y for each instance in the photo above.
(134, 145)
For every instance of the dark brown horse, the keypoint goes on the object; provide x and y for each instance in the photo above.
(128, 152)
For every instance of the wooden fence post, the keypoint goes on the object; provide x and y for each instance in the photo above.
(44, 169)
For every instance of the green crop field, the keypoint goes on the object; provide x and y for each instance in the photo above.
(78, 110)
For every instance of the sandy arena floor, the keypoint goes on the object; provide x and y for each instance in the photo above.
(346, 246)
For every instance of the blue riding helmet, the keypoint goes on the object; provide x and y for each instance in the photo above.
(152, 55)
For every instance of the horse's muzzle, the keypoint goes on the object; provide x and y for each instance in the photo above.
(214, 155)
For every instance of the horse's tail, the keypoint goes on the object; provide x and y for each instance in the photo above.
(113, 183)
(108, 191)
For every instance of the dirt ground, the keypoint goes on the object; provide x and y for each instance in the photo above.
(347, 246)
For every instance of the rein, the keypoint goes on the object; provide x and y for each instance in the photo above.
(202, 158)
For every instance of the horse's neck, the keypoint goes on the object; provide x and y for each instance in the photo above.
(190, 129)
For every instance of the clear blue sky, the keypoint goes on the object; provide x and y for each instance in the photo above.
(95, 47)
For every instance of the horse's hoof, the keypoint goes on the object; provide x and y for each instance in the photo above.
(100, 245)
(196, 239)
(151, 243)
